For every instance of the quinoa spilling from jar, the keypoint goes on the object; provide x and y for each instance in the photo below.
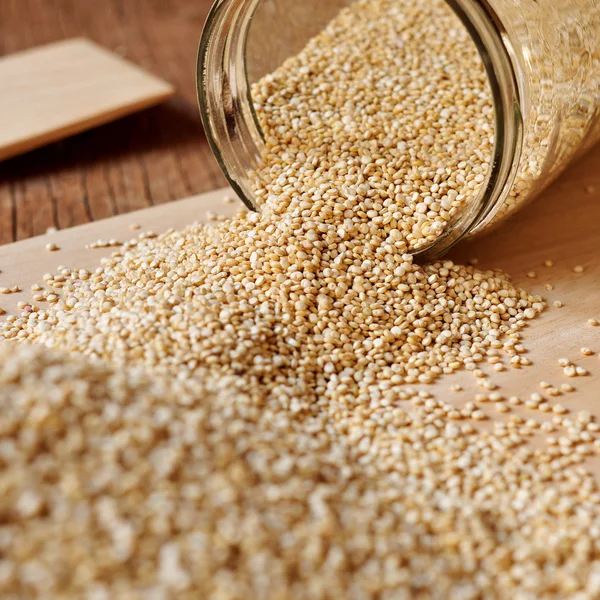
(388, 112)
(230, 412)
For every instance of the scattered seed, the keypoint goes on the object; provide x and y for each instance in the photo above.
(227, 422)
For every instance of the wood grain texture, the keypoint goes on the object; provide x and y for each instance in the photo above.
(146, 159)
(61, 89)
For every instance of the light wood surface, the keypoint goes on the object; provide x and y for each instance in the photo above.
(60, 89)
(563, 226)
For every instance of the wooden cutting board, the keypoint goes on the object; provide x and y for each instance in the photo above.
(563, 226)
(64, 88)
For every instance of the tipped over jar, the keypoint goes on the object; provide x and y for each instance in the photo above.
(451, 114)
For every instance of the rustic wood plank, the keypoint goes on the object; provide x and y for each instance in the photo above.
(61, 89)
(161, 37)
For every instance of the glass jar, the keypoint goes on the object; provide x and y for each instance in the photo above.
(542, 59)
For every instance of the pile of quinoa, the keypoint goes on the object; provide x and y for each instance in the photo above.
(120, 483)
(231, 411)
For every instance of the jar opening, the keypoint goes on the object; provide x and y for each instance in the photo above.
(236, 138)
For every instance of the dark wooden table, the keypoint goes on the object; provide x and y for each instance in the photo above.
(155, 156)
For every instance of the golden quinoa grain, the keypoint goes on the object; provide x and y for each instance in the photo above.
(235, 418)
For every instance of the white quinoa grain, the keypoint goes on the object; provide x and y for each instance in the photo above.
(228, 410)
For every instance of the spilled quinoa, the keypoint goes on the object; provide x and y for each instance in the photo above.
(234, 411)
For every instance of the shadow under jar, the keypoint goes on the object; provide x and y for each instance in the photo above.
(540, 59)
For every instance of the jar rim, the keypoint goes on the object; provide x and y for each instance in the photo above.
(226, 109)
(234, 135)
(499, 59)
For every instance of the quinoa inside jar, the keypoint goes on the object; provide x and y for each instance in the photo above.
(432, 120)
